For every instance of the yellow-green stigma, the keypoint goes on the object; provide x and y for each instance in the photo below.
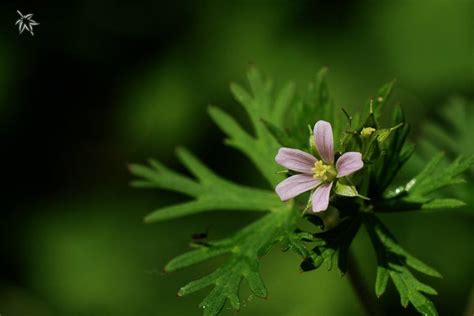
(367, 131)
(323, 171)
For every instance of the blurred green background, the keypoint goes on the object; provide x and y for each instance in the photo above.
(102, 84)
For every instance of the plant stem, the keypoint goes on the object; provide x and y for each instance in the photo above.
(470, 304)
(360, 287)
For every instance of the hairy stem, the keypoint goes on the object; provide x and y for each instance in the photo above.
(360, 287)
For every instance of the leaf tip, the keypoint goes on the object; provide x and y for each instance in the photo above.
(148, 219)
(179, 150)
(211, 109)
(132, 167)
(251, 67)
(436, 274)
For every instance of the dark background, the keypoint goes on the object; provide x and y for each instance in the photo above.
(105, 83)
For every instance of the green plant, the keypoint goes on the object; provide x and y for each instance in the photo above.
(281, 120)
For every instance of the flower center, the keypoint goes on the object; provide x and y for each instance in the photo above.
(323, 171)
(367, 131)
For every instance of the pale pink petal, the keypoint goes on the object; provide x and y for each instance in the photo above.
(296, 160)
(320, 197)
(324, 140)
(349, 163)
(295, 185)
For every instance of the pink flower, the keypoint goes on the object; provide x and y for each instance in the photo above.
(314, 173)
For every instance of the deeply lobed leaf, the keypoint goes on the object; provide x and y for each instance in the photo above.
(433, 177)
(259, 105)
(244, 249)
(331, 246)
(210, 191)
(417, 194)
(393, 262)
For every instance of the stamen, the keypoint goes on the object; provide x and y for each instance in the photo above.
(367, 131)
(322, 171)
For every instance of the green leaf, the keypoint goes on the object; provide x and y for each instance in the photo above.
(402, 204)
(296, 241)
(393, 262)
(196, 256)
(210, 191)
(451, 131)
(417, 193)
(442, 204)
(433, 177)
(261, 147)
(244, 249)
(280, 135)
(158, 176)
(332, 246)
(283, 101)
(259, 150)
(315, 105)
(381, 280)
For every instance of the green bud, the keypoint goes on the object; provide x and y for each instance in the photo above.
(345, 189)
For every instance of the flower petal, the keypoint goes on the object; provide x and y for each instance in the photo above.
(320, 197)
(324, 140)
(295, 185)
(296, 160)
(349, 163)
